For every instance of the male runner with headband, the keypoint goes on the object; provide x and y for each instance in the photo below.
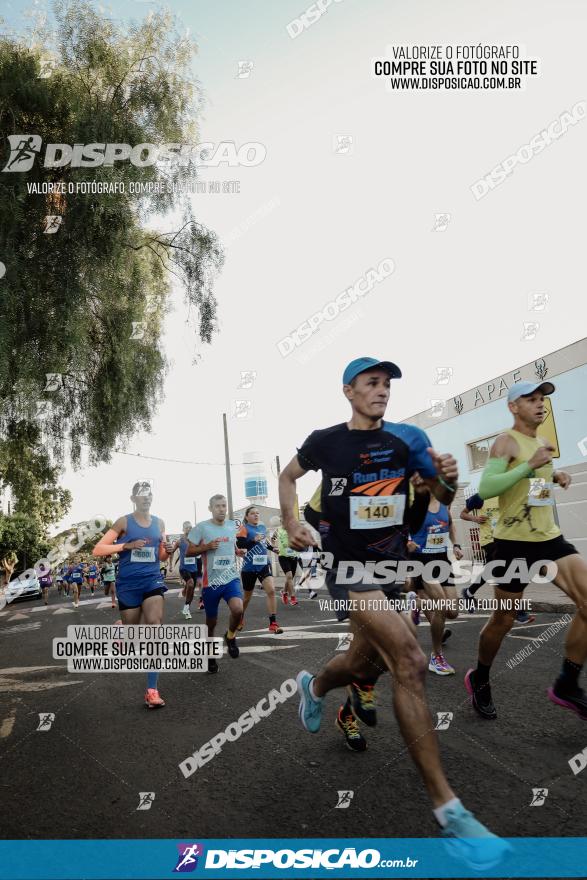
(139, 539)
(520, 473)
(252, 537)
(366, 464)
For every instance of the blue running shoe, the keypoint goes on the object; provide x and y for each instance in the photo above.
(310, 710)
(470, 841)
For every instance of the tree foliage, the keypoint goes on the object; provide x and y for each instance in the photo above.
(71, 301)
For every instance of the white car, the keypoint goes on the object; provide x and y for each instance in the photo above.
(25, 586)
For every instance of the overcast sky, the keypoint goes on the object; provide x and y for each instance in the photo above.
(458, 297)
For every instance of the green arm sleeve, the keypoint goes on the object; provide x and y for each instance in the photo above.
(496, 479)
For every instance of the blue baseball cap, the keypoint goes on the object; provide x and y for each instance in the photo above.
(522, 389)
(359, 365)
(475, 502)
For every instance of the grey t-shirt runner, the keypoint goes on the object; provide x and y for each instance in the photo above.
(218, 566)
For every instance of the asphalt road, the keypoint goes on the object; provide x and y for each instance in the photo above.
(82, 778)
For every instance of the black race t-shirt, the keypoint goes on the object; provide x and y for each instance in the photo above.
(365, 479)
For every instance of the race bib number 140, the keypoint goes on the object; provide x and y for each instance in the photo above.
(379, 512)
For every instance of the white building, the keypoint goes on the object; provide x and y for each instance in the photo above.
(467, 424)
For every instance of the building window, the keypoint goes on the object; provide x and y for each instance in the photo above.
(479, 452)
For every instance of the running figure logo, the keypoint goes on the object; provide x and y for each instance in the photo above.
(244, 69)
(52, 223)
(444, 719)
(344, 800)
(54, 381)
(241, 409)
(46, 719)
(188, 857)
(343, 144)
(24, 148)
(146, 799)
(530, 330)
(441, 222)
(443, 375)
(344, 642)
(537, 302)
(247, 378)
(539, 795)
(337, 485)
(436, 408)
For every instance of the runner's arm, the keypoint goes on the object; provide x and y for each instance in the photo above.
(196, 543)
(164, 552)
(299, 536)
(496, 479)
(106, 545)
(471, 517)
(452, 535)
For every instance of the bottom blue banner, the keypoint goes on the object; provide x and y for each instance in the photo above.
(311, 858)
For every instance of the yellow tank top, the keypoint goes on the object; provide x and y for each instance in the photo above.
(316, 500)
(491, 511)
(526, 511)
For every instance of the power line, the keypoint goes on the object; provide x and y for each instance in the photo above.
(183, 461)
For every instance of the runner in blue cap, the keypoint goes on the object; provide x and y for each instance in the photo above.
(366, 466)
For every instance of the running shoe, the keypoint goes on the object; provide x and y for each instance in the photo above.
(446, 636)
(411, 604)
(469, 602)
(467, 839)
(310, 710)
(439, 664)
(349, 728)
(153, 699)
(480, 697)
(294, 600)
(284, 597)
(201, 605)
(522, 617)
(232, 646)
(364, 702)
(241, 623)
(212, 665)
(574, 700)
(313, 594)
(186, 613)
(274, 627)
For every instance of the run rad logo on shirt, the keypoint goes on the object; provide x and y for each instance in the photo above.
(365, 487)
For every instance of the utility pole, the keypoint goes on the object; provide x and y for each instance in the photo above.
(227, 464)
(277, 466)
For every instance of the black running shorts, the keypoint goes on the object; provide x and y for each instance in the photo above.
(530, 552)
(249, 578)
(288, 563)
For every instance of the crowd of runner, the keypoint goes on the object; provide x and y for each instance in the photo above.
(385, 496)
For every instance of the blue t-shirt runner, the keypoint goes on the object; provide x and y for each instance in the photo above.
(215, 539)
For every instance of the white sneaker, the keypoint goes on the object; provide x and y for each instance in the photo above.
(186, 612)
